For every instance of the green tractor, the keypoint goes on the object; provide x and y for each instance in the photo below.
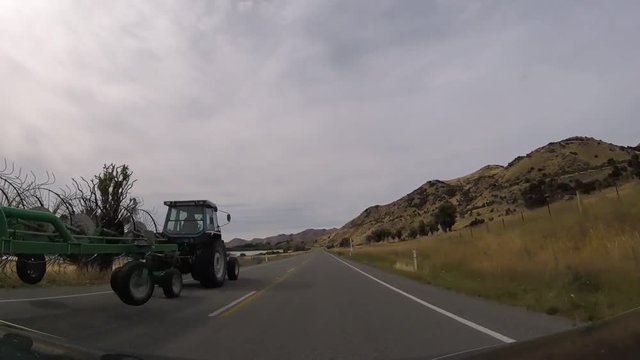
(193, 226)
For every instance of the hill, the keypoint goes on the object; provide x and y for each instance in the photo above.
(550, 173)
(307, 237)
(237, 242)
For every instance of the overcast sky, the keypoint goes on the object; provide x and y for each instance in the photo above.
(297, 114)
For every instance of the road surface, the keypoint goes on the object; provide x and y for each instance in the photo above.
(313, 306)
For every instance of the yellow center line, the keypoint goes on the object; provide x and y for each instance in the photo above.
(232, 310)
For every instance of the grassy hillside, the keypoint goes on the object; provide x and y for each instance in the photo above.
(557, 170)
(584, 266)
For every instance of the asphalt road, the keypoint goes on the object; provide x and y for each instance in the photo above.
(313, 306)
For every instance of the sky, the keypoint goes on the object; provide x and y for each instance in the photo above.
(300, 114)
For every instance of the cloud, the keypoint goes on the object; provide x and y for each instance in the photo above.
(296, 114)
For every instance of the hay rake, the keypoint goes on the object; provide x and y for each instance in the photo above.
(42, 229)
(28, 252)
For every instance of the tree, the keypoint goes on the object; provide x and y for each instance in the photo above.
(422, 228)
(113, 186)
(433, 226)
(345, 242)
(445, 216)
(106, 199)
(615, 172)
(534, 195)
(379, 234)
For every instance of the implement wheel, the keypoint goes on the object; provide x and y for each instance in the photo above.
(114, 277)
(31, 268)
(233, 269)
(171, 283)
(133, 283)
(210, 266)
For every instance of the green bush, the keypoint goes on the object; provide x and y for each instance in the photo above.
(379, 234)
(445, 216)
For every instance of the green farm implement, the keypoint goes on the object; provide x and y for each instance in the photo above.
(190, 243)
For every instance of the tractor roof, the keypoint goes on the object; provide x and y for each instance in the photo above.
(205, 203)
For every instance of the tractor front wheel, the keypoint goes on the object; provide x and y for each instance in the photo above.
(233, 268)
(171, 283)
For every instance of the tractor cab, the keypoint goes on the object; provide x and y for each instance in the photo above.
(193, 226)
(191, 218)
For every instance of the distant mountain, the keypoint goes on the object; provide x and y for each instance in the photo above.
(554, 171)
(237, 242)
(308, 237)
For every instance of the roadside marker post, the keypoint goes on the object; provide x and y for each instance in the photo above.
(350, 246)
(415, 260)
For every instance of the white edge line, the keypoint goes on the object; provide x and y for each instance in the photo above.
(231, 304)
(455, 317)
(27, 329)
(464, 352)
(55, 297)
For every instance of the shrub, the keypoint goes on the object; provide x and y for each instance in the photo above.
(615, 172)
(584, 283)
(445, 216)
(585, 187)
(534, 195)
(379, 234)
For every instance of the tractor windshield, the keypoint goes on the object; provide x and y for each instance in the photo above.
(184, 220)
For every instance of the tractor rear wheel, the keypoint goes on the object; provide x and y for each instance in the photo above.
(134, 283)
(171, 283)
(233, 268)
(210, 266)
(31, 268)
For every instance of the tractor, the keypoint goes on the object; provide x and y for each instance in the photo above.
(193, 226)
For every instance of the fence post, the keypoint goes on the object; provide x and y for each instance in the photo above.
(471, 231)
(617, 192)
(415, 260)
(522, 216)
(503, 225)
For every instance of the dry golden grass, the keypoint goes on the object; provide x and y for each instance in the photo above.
(259, 259)
(57, 275)
(584, 266)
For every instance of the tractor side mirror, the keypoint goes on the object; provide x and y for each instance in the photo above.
(228, 217)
